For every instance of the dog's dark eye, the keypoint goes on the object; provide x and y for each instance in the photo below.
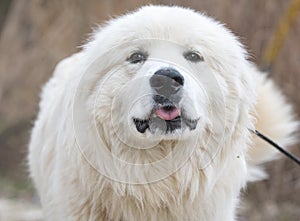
(193, 56)
(137, 57)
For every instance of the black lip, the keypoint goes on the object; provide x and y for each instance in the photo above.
(141, 125)
(167, 126)
(192, 124)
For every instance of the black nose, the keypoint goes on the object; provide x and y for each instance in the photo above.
(166, 81)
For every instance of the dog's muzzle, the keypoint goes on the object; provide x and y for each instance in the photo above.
(166, 115)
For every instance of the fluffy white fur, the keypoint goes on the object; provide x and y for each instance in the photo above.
(84, 132)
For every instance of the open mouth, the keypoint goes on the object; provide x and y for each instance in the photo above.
(166, 118)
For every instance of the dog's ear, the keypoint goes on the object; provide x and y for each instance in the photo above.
(274, 118)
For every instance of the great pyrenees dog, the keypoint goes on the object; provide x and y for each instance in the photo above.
(152, 121)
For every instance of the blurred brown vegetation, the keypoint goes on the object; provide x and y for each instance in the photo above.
(36, 34)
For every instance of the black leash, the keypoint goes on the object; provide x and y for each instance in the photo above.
(282, 150)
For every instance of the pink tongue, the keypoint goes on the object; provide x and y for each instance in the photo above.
(167, 114)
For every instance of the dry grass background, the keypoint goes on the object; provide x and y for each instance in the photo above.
(36, 34)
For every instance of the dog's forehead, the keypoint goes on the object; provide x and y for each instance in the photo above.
(164, 54)
(164, 49)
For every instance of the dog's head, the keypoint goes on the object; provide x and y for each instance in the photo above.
(166, 92)
(165, 77)
(167, 71)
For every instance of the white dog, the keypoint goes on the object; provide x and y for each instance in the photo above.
(151, 121)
